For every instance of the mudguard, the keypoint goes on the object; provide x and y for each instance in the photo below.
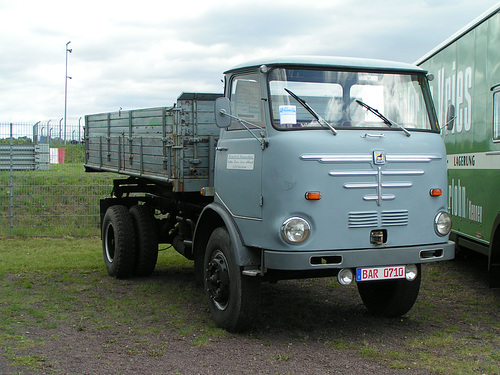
(494, 255)
(215, 215)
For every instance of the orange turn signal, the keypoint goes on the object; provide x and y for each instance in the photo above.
(436, 192)
(207, 191)
(313, 195)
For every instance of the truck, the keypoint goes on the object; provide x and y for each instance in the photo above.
(467, 68)
(305, 167)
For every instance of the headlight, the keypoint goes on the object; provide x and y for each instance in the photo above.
(442, 223)
(295, 230)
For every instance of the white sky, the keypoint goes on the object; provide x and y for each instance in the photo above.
(135, 54)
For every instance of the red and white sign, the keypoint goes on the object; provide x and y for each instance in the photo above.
(57, 155)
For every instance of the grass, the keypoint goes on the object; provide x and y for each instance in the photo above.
(33, 255)
(50, 285)
(55, 288)
(459, 342)
(58, 202)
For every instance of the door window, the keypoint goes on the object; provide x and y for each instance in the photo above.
(496, 116)
(246, 101)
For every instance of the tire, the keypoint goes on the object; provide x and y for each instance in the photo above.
(390, 298)
(233, 298)
(118, 241)
(146, 235)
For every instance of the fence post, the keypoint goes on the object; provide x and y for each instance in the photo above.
(11, 181)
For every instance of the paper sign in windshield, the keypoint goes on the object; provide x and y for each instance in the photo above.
(288, 114)
(240, 161)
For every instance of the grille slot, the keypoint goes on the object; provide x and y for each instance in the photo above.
(394, 218)
(365, 219)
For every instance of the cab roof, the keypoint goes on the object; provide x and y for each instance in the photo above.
(350, 63)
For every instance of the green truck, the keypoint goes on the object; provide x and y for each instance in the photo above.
(466, 91)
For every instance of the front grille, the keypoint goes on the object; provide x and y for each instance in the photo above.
(371, 219)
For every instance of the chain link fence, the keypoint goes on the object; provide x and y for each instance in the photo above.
(44, 190)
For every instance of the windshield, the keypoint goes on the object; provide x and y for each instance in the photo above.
(335, 96)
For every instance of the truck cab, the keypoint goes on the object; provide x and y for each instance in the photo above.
(325, 167)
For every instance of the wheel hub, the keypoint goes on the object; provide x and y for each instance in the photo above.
(218, 280)
(110, 243)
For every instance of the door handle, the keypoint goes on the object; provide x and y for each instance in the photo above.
(373, 135)
(221, 148)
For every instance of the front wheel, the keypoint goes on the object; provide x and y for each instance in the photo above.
(233, 298)
(390, 298)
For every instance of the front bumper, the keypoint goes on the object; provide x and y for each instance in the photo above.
(383, 256)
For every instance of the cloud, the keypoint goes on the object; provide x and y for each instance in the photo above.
(133, 54)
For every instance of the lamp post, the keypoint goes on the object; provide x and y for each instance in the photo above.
(79, 128)
(35, 133)
(66, 89)
(48, 135)
(60, 131)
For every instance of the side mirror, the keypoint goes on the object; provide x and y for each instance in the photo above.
(222, 107)
(450, 117)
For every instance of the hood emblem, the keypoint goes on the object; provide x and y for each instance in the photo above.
(378, 157)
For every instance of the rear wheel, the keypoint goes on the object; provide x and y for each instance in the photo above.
(146, 239)
(390, 298)
(118, 241)
(233, 298)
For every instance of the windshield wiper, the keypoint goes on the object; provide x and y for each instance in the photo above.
(318, 118)
(386, 121)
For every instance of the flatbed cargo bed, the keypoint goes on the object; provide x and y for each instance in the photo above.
(172, 145)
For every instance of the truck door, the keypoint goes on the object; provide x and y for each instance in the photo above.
(239, 152)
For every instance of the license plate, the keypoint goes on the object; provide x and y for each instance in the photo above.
(380, 273)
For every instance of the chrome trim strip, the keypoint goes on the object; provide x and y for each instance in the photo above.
(352, 173)
(360, 186)
(356, 158)
(397, 184)
(379, 187)
(333, 158)
(384, 197)
(374, 185)
(403, 173)
(236, 216)
(413, 158)
(374, 173)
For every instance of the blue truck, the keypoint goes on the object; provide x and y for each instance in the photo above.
(305, 167)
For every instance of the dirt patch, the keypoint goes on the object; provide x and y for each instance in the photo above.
(145, 326)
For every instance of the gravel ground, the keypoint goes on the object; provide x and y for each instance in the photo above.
(305, 327)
